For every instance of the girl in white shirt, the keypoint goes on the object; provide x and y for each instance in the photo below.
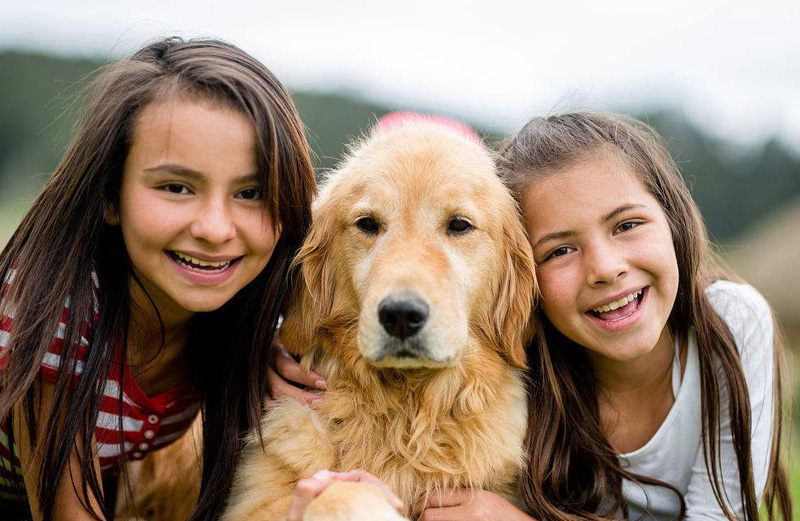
(655, 384)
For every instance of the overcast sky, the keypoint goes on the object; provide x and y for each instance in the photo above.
(734, 67)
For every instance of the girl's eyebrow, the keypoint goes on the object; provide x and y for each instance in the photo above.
(177, 170)
(568, 233)
(194, 175)
(552, 237)
(621, 209)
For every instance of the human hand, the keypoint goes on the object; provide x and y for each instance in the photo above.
(309, 489)
(466, 504)
(285, 371)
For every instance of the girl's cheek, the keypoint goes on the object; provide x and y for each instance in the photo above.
(551, 285)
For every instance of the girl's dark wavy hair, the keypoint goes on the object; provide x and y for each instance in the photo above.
(64, 236)
(573, 472)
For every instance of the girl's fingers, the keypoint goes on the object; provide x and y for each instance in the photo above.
(280, 388)
(456, 513)
(468, 505)
(448, 498)
(363, 476)
(288, 368)
(305, 491)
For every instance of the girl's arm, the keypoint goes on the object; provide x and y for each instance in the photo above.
(750, 320)
(68, 506)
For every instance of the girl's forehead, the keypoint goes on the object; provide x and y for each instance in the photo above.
(596, 181)
(188, 121)
(595, 184)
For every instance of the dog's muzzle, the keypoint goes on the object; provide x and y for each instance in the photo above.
(403, 338)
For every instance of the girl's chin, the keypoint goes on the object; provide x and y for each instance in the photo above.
(205, 307)
(202, 303)
(625, 351)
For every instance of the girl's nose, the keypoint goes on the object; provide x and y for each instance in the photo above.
(605, 264)
(214, 223)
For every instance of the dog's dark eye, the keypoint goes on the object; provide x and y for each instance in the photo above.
(458, 225)
(368, 225)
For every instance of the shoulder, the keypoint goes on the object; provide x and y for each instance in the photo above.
(52, 358)
(748, 317)
(735, 301)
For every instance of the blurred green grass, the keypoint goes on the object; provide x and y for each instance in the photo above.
(795, 483)
(792, 423)
(11, 211)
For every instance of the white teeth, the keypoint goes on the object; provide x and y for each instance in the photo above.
(197, 262)
(618, 303)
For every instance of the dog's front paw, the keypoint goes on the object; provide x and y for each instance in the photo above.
(347, 501)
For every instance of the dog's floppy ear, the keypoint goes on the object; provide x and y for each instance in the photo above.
(317, 286)
(513, 322)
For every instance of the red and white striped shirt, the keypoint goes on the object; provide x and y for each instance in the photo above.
(148, 422)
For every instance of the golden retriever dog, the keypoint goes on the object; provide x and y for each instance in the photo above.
(417, 290)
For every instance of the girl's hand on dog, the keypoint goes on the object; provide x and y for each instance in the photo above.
(466, 504)
(308, 489)
(287, 378)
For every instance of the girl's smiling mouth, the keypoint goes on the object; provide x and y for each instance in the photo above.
(191, 262)
(620, 313)
(203, 271)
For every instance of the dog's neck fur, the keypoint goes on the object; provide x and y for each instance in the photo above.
(432, 429)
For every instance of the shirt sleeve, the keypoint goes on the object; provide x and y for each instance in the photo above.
(6, 315)
(51, 362)
(749, 319)
(53, 358)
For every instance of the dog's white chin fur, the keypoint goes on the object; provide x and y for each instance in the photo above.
(410, 363)
(437, 354)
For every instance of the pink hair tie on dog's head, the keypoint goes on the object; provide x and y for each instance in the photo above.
(398, 119)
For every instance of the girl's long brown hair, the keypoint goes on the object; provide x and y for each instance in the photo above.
(64, 236)
(573, 471)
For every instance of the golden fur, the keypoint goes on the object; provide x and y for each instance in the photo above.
(164, 486)
(454, 417)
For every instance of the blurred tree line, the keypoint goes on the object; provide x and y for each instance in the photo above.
(40, 96)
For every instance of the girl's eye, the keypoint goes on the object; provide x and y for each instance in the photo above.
(175, 188)
(250, 194)
(627, 226)
(368, 225)
(459, 225)
(559, 252)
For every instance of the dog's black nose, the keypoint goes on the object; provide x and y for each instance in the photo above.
(402, 317)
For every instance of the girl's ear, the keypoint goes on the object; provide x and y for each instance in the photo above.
(514, 322)
(317, 287)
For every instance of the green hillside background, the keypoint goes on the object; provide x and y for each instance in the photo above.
(749, 194)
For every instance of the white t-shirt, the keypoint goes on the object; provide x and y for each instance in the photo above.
(674, 454)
